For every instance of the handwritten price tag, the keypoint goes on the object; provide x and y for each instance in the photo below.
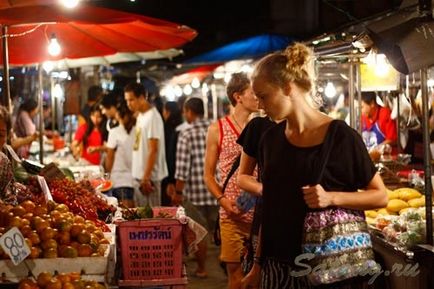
(45, 189)
(14, 245)
(13, 153)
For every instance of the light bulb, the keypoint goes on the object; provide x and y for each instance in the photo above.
(70, 3)
(54, 48)
(195, 83)
(187, 89)
(170, 93)
(330, 90)
(178, 91)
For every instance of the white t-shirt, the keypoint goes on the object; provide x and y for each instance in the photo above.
(122, 142)
(149, 125)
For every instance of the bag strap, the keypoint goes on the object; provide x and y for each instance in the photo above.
(326, 149)
(234, 167)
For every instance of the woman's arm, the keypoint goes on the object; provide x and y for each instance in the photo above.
(375, 196)
(246, 180)
(29, 126)
(75, 149)
(18, 142)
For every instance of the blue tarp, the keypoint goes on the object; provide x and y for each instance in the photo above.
(252, 47)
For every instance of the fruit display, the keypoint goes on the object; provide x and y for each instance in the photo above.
(402, 222)
(53, 231)
(400, 200)
(45, 280)
(78, 197)
(405, 230)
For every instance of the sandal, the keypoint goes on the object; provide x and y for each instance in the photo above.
(201, 275)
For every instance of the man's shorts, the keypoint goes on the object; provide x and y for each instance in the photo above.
(233, 234)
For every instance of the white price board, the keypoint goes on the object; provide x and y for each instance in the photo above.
(14, 245)
(13, 153)
(45, 189)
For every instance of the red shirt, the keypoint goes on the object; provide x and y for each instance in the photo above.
(93, 139)
(385, 123)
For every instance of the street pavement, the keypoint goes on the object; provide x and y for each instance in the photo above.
(216, 276)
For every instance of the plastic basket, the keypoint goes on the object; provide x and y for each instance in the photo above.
(151, 249)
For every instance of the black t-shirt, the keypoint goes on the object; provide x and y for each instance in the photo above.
(287, 168)
(251, 135)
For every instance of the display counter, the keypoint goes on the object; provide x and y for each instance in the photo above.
(403, 268)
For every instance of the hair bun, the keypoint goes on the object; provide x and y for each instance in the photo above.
(298, 55)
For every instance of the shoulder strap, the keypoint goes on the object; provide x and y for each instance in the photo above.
(326, 149)
(234, 167)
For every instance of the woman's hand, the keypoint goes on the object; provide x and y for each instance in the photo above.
(230, 207)
(91, 150)
(253, 279)
(316, 197)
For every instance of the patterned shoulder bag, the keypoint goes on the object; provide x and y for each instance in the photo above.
(337, 238)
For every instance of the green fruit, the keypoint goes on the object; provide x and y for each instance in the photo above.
(68, 173)
(20, 174)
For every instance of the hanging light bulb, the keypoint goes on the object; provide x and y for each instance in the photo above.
(70, 3)
(54, 48)
(187, 89)
(178, 91)
(330, 90)
(170, 93)
(195, 83)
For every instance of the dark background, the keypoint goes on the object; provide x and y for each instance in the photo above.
(225, 21)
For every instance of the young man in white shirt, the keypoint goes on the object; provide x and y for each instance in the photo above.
(148, 156)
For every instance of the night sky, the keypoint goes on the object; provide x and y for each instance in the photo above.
(224, 21)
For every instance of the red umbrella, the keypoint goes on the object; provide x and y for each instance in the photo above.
(85, 31)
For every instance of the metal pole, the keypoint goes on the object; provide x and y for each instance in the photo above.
(6, 91)
(205, 103)
(359, 95)
(427, 157)
(214, 102)
(53, 106)
(398, 107)
(41, 117)
(351, 96)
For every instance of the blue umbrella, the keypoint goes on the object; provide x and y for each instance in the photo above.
(252, 47)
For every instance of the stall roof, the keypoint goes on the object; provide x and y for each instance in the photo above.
(252, 47)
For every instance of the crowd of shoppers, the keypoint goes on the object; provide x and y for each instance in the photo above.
(180, 157)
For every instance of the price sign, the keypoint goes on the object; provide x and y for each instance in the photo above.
(45, 189)
(14, 245)
(13, 153)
